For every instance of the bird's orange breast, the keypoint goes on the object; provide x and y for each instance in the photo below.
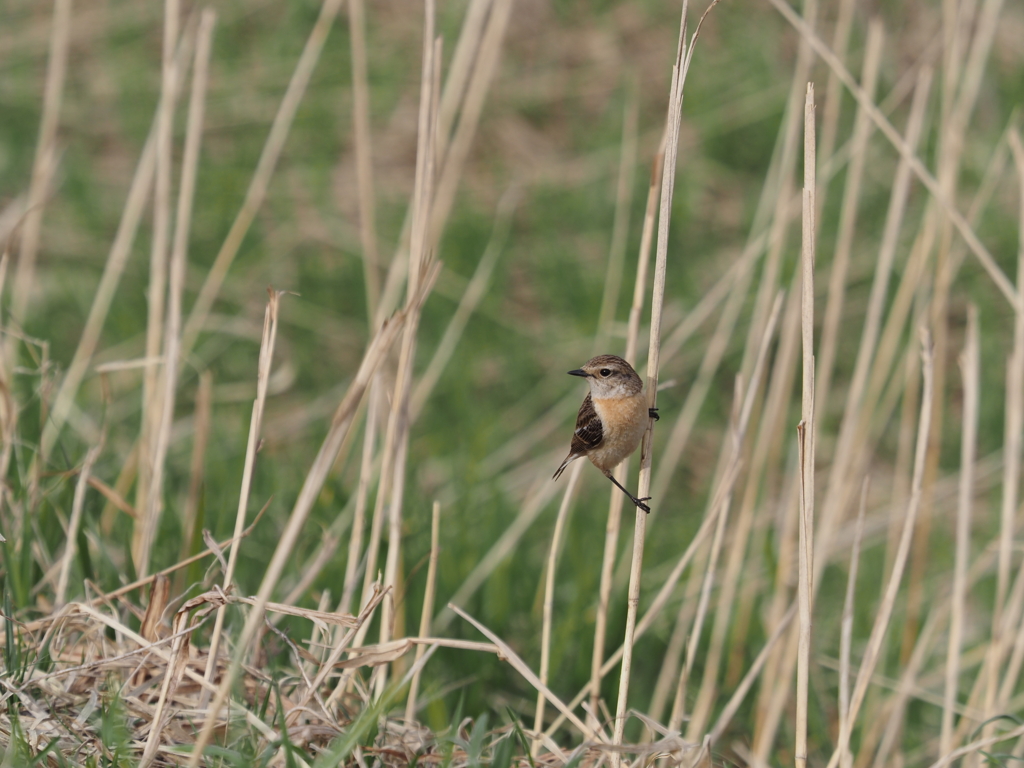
(623, 422)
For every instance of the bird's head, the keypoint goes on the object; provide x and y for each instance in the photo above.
(610, 376)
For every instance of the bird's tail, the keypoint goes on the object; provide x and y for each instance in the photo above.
(568, 460)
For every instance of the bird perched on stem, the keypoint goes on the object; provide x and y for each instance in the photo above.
(612, 419)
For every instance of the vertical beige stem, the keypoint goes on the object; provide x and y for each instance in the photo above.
(145, 526)
(549, 599)
(164, 411)
(355, 544)
(428, 608)
(806, 439)
(653, 359)
(255, 426)
(846, 632)
(42, 166)
(969, 370)
(364, 155)
(419, 257)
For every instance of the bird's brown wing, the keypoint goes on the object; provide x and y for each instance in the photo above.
(589, 432)
(588, 435)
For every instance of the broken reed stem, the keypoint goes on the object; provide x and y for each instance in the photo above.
(255, 427)
(363, 150)
(969, 367)
(428, 608)
(846, 630)
(315, 478)
(806, 436)
(549, 599)
(71, 540)
(179, 254)
(261, 177)
(156, 297)
(42, 165)
(884, 614)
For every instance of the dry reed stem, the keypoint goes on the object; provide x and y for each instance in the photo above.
(665, 593)
(452, 160)
(892, 718)
(340, 424)
(833, 95)
(165, 656)
(266, 359)
(536, 501)
(344, 643)
(616, 500)
(549, 598)
(201, 419)
(620, 222)
(1013, 431)
(120, 250)
(462, 65)
(108, 597)
(969, 366)
(167, 389)
(104, 296)
(884, 613)
(846, 631)
(976, 746)
(906, 152)
(420, 258)
(733, 452)
(653, 355)
(43, 163)
(862, 128)
(363, 150)
(806, 436)
(428, 606)
(362, 490)
(521, 667)
(781, 186)
(324, 554)
(145, 526)
(733, 705)
(854, 414)
(71, 539)
(260, 182)
(475, 290)
(764, 472)
(698, 391)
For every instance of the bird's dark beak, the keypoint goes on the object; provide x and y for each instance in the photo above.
(579, 372)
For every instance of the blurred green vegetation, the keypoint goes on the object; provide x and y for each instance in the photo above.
(552, 123)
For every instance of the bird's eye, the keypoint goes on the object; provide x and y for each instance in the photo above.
(606, 372)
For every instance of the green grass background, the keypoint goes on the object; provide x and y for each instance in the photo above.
(553, 123)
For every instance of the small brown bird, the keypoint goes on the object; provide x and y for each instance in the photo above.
(612, 419)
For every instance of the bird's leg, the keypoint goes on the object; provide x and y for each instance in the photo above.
(634, 499)
(653, 413)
